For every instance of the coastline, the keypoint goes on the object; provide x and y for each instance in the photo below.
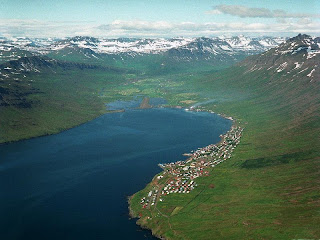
(62, 130)
(143, 105)
(132, 214)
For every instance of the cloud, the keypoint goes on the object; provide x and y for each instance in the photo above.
(140, 28)
(248, 12)
(146, 28)
(36, 28)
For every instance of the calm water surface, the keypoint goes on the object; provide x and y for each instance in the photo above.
(74, 185)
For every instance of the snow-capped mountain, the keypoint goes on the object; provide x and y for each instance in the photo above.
(246, 43)
(15, 48)
(155, 46)
(294, 60)
(122, 46)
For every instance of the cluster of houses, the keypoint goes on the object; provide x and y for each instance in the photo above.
(150, 200)
(180, 176)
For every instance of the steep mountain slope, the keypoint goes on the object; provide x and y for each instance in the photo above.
(17, 76)
(9, 52)
(290, 72)
(295, 59)
(269, 188)
(15, 48)
(39, 95)
(204, 49)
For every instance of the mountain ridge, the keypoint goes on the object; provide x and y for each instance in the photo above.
(134, 46)
(298, 57)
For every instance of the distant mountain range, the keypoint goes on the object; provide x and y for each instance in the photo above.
(299, 55)
(178, 48)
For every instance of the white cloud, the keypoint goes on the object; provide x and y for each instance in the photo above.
(248, 12)
(36, 28)
(145, 28)
(139, 28)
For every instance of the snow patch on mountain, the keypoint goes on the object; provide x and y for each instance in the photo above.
(216, 45)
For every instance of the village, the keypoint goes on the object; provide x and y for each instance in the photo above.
(180, 176)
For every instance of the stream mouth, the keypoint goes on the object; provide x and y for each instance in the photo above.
(135, 103)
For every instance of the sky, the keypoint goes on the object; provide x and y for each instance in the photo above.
(158, 18)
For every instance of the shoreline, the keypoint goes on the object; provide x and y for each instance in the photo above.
(63, 130)
(143, 105)
(133, 217)
(131, 212)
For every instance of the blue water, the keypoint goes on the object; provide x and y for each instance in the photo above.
(74, 185)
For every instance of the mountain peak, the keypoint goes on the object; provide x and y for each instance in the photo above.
(299, 44)
(296, 59)
(300, 37)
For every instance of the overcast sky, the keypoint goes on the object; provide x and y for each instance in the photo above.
(158, 18)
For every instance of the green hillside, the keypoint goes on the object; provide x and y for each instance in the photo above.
(269, 189)
(48, 96)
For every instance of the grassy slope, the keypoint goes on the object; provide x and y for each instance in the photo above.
(64, 100)
(147, 64)
(270, 188)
